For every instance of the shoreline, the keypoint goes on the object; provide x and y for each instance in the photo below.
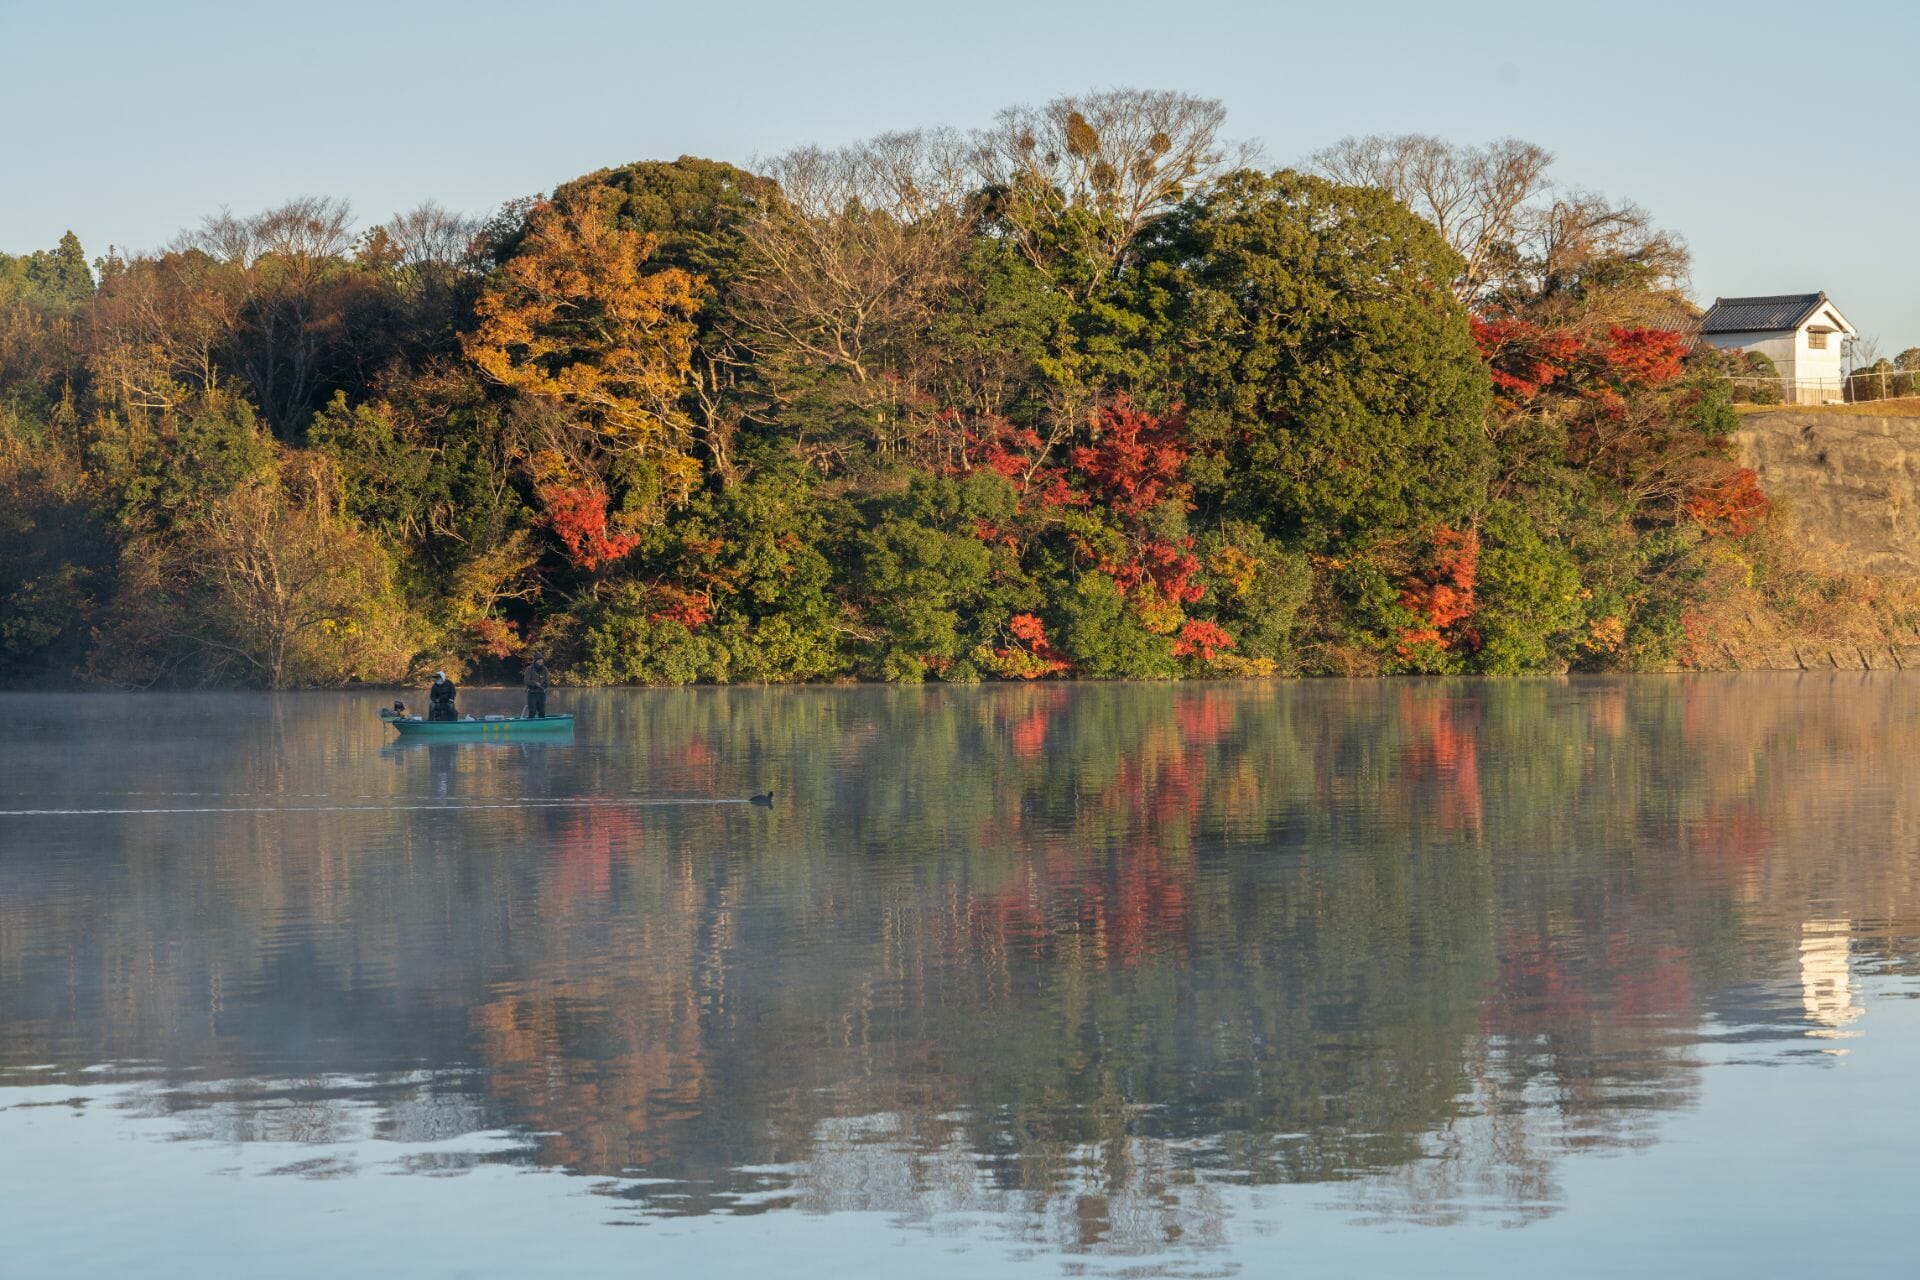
(1912, 662)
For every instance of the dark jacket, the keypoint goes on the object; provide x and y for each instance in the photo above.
(535, 675)
(440, 693)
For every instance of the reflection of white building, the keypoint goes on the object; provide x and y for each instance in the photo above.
(1826, 978)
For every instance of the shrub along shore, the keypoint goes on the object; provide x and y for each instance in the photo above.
(1077, 395)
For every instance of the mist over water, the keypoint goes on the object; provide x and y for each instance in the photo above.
(1457, 977)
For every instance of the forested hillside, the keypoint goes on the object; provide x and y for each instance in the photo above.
(1081, 394)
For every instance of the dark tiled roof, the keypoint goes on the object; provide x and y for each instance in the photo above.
(1683, 320)
(1781, 311)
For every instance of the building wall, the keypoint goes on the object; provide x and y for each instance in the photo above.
(1812, 377)
(1777, 347)
(1827, 367)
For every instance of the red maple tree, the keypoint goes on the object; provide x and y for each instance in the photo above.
(1735, 506)
(1443, 594)
(577, 514)
(1202, 638)
(1526, 360)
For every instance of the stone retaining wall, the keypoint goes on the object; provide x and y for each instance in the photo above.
(1820, 656)
(1851, 484)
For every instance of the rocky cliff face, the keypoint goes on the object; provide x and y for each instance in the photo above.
(1849, 483)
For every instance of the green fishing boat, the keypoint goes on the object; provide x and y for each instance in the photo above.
(482, 728)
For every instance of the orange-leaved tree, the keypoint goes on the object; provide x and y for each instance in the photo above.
(575, 316)
(1441, 598)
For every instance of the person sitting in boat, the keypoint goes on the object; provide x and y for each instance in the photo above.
(440, 698)
(535, 678)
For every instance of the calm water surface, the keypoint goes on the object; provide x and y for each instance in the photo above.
(1584, 978)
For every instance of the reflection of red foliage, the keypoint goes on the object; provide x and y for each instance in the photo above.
(1730, 844)
(1030, 735)
(1117, 902)
(1206, 719)
(1443, 753)
(1163, 794)
(585, 847)
(1140, 910)
(1536, 987)
(693, 761)
(1649, 983)
(1122, 910)
(1550, 985)
(577, 515)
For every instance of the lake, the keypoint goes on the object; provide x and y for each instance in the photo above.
(1580, 977)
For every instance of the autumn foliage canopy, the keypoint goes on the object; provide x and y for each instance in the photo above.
(1071, 397)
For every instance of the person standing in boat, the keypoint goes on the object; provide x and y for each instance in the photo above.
(534, 676)
(440, 698)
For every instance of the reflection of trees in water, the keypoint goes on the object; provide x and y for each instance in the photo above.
(1072, 954)
(1131, 1198)
(1499, 1155)
(411, 1107)
(614, 1033)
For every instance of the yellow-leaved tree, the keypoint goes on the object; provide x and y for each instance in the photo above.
(575, 316)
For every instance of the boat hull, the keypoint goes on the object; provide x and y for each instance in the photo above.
(502, 730)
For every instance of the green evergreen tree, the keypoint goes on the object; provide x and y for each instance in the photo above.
(69, 279)
(1329, 373)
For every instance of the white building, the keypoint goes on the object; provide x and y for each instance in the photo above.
(1802, 333)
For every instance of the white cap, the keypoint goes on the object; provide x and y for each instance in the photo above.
(439, 675)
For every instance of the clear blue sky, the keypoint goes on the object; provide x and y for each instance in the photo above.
(1773, 136)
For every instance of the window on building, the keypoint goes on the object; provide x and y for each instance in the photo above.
(1817, 339)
